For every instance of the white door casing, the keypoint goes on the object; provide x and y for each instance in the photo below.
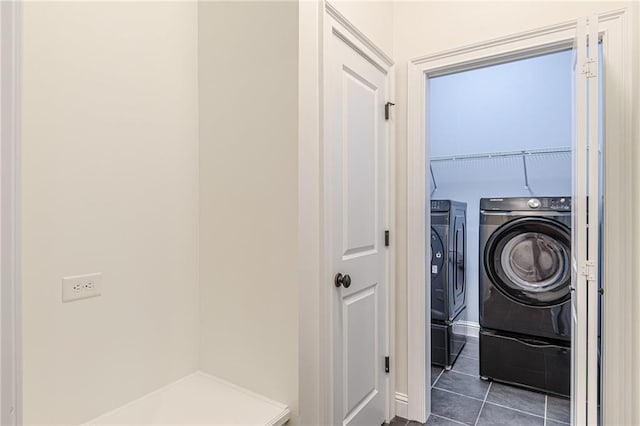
(585, 238)
(356, 144)
(617, 242)
(579, 231)
(592, 271)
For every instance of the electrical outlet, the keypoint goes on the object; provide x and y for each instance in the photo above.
(81, 287)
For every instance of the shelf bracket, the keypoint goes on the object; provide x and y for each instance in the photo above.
(433, 179)
(524, 166)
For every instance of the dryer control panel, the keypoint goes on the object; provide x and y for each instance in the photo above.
(440, 205)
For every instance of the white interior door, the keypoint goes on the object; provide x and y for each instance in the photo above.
(585, 224)
(356, 139)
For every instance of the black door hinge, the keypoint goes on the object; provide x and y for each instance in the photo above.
(386, 364)
(386, 109)
(386, 238)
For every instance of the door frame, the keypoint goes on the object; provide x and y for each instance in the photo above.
(617, 242)
(10, 213)
(316, 20)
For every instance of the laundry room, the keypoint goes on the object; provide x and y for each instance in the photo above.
(500, 182)
(320, 213)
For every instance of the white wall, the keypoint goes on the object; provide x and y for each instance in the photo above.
(429, 27)
(110, 184)
(248, 194)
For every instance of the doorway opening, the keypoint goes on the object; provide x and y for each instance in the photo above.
(587, 273)
(500, 182)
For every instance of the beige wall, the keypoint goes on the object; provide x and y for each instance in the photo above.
(110, 184)
(635, 319)
(248, 194)
(429, 27)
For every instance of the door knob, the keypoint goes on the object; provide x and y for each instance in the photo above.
(343, 280)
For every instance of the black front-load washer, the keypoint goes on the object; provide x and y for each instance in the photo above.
(448, 280)
(525, 292)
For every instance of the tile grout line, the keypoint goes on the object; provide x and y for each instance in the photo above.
(437, 378)
(515, 409)
(491, 402)
(469, 357)
(556, 420)
(483, 403)
(447, 418)
(559, 421)
(466, 374)
(456, 393)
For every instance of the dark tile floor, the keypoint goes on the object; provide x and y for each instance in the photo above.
(460, 397)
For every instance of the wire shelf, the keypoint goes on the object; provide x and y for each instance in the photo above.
(502, 154)
(523, 154)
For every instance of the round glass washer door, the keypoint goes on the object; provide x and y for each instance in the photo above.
(529, 261)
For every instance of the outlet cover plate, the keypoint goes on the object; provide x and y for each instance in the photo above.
(81, 287)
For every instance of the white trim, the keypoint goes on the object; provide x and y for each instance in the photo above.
(498, 50)
(593, 214)
(313, 388)
(471, 329)
(392, 249)
(10, 293)
(618, 262)
(579, 234)
(357, 34)
(402, 405)
(418, 389)
(618, 271)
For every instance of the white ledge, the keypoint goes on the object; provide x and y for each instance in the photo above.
(198, 399)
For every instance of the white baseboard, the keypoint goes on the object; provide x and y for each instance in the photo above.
(471, 329)
(402, 405)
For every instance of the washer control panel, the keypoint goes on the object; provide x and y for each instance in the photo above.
(559, 203)
(534, 203)
(562, 204)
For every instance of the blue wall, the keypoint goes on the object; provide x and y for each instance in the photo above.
(518, 105)
(509, 107)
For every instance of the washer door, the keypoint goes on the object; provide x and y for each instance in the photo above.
(529, 261)
(438, 277)
(437, 254)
